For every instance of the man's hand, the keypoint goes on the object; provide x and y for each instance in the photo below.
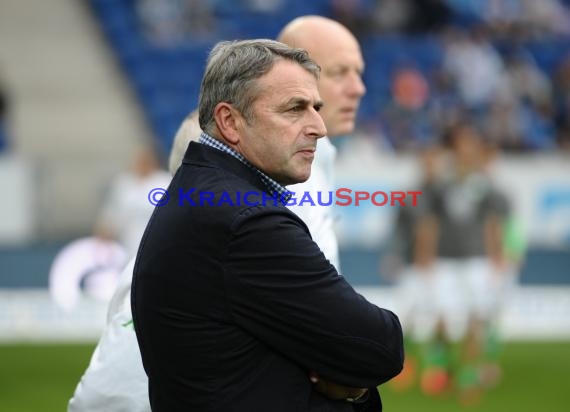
(335, 391)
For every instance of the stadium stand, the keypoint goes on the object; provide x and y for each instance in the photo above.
(166, 75)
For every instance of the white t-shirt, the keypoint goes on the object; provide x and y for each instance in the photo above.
(115, 380)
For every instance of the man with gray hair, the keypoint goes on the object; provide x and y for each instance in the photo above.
(235, 307)
(115, 380)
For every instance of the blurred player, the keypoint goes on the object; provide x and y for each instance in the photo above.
(124, 216)
(462, 238)
(414, 278)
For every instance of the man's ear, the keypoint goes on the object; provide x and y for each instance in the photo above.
(227, 119)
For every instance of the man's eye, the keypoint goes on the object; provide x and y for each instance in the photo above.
(296, 109)
(338, 72)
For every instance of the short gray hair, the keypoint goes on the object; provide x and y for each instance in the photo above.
(232, 71)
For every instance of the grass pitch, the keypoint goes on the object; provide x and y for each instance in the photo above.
(41, 378)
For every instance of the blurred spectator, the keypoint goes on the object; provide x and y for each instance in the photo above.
(500, 15)
(503, 124)
(445, 106)
(522, 19)
(170, 22)
(545, 17)
(525, 80)
(531, 98)
(389, 16)
(128, 207)
(474, 64)
(410, 89)
(406, 120)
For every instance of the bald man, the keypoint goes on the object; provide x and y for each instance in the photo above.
(115, 380)
(337, 51)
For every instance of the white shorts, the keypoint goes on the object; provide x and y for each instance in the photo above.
(466, 289)
(415, 306)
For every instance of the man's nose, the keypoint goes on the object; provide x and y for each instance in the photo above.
(317, 128)
(356, 86)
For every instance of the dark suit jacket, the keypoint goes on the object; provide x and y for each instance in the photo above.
(233, 305)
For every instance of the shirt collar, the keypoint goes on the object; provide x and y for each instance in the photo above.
(272, 186)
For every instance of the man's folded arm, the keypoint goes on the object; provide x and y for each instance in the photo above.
(284, 292)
